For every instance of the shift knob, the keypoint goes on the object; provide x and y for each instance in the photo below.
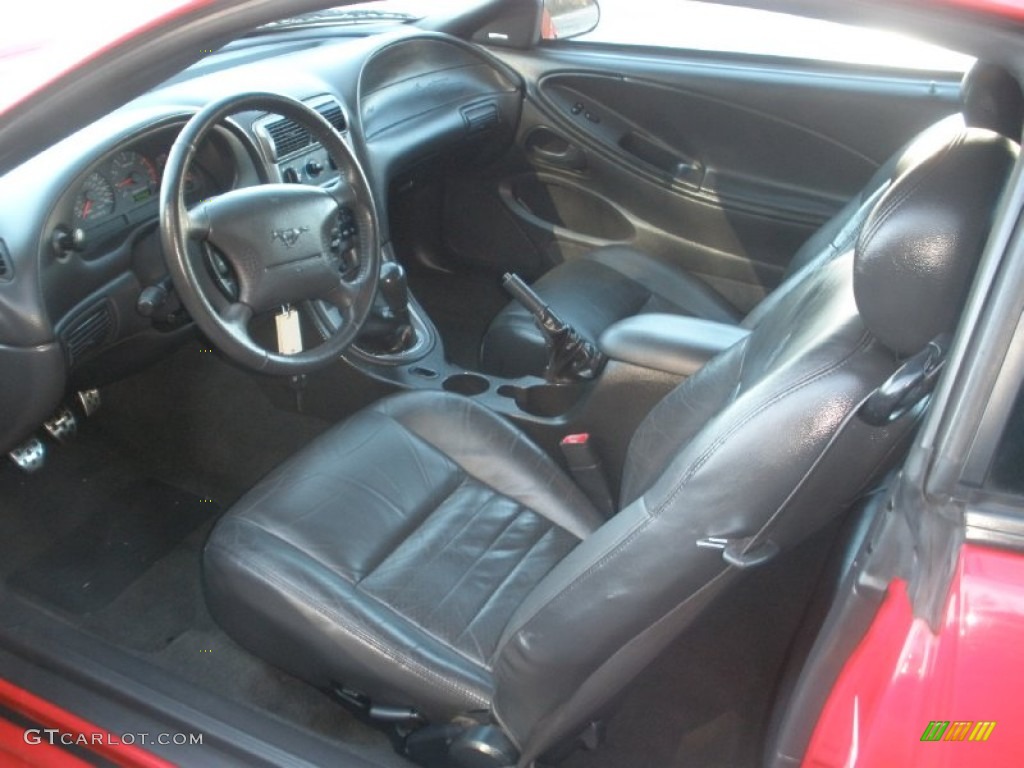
(394, 288)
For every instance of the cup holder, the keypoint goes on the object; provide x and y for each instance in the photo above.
(466, 384)
(544, 400)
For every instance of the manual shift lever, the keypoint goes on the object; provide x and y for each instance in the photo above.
(394, 289)
(570, 356)
(389, 330)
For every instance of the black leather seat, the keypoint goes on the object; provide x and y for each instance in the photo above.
(427, 554)
(398, 546)
(615, 282)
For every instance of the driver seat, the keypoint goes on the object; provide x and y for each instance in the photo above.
(427, 554)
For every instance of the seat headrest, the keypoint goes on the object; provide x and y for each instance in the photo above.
(918, 249)
(992, 99)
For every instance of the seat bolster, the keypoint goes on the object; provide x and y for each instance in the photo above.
(283, 604)
(832, 241)
(675, 286)
(492, 451)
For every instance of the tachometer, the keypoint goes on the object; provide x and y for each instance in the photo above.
(95, 199)
(134, 177)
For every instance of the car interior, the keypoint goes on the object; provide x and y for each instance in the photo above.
(421, 392)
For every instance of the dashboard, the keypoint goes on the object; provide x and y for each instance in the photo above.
(79, 241)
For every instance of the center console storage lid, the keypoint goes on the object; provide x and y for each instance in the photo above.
(669, 343)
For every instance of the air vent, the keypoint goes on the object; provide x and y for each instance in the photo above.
(88, 331)
(6, 265)
(290, 138)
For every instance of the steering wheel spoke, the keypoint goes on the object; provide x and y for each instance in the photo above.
(345, 295)
(236, 316)
(344, 194)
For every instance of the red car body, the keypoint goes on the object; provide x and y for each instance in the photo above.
(903, 677)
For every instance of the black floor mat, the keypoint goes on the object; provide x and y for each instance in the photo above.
(125, 531)
(202, 424)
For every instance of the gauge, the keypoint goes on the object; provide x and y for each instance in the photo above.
(134, 176)
(95, 200)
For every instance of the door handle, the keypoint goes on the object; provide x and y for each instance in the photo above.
(571, 157)
(546, 146)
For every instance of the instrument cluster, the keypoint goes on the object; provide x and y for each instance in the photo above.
(122, 190)
(127, 181)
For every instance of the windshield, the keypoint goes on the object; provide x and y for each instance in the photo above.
(35, 50)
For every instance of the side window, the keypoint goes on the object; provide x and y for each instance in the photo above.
(1007, 471)
(707, 26)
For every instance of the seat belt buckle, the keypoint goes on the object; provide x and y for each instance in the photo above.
(588, 472)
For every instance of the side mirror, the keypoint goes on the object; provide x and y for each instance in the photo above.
(563, 19)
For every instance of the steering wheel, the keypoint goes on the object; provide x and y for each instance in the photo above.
(283, 242)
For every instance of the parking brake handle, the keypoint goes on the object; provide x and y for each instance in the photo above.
(570, 356)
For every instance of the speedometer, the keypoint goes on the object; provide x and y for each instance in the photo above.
(94, 200)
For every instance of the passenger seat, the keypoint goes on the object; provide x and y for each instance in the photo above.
(615, 282)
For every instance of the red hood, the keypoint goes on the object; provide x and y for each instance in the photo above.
(1010, 9)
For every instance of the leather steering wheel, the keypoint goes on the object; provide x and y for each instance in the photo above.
(283, 242)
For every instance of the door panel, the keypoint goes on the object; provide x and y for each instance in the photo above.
(699, 144)
(724, 166)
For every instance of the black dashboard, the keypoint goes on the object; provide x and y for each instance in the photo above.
(78, 223)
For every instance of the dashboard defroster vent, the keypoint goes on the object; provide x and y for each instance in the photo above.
(6, 265)
(289, 138)
(89, 330)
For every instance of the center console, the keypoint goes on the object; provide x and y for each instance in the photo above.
(640, 360)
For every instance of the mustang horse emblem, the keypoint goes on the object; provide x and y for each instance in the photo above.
(288, 236)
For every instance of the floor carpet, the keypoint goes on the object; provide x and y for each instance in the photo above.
(127, 529)
(108, 536)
